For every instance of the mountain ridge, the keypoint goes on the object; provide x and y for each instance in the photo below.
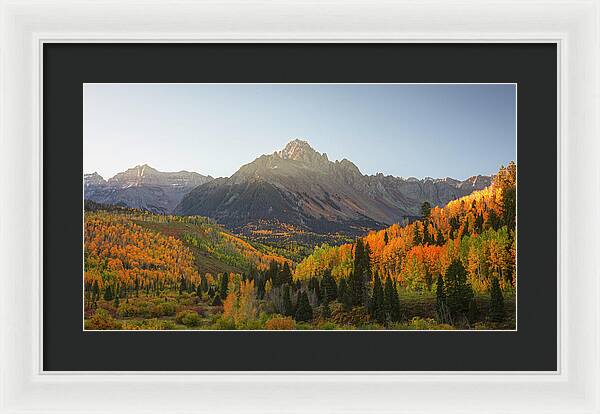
(302, 187)
(143, 187)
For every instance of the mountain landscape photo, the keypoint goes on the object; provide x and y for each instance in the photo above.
(220, 227)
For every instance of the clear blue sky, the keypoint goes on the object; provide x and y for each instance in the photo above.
(401, 130)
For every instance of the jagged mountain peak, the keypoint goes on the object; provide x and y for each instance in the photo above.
(141, 170)
(144, 187)
(93, 179)
(348, 166)
(300, 150)
(300, 186)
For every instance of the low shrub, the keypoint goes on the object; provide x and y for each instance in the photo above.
(328, 326)
(250, 324)
(149, 324)
(133, 309)
(102, 320)
(163, 309)
(188, 318)
(224, 324)
(418, 323)
(356, 316)
(279, 322)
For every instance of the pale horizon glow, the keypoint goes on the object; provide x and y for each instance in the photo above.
(405, 130)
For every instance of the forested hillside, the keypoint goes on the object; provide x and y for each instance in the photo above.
(454, 267)
(472, 238)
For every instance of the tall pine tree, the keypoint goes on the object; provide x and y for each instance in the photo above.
(443, 314)
(458, 290)
(345, 294)
(388, 298)
(304, 311)
(224, 286)
(496, 302)
(286, 274)
(425, 210)
(361, 276)
(376, 305)
(395, 311)
(288, 309)
(329, 289)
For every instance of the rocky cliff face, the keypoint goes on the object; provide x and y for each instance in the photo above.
(143, 187)
(302, 187)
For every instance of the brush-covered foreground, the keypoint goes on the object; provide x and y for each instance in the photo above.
(188, 311)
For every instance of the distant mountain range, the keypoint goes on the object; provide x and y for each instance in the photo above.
(296, 186)
(301, 187)
(143, 187)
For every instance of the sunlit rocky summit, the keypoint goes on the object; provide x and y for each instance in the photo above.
(302, 187)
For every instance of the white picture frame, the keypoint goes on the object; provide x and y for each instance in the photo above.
(573, 25)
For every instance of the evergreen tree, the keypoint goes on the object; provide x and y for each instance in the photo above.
(95, 291)
(496, 302)
(108, 293)
(459, 293)
(182, 285)
(479, 224)
(328, 287)
(345, 294)
(261, 286)
(273, 274)
(443, 315)
(389, 298)
(428, 279)
(286, 274)
(493, 220)
(199, 290)
(203, 284)
(224, 286)
(288, 308)
(343, 286)
(426, 238)
(377, 303)
(217, 300)
(440, 238)
(385, 238)
(395, 311)
(116, 303)
(425, 210)
(360, 277)
(326, 310)
(416, 235)
(454, 224)
(304, 311)
(473, 314)
(313, 284)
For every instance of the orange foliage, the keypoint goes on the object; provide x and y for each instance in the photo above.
(470, 229)
(118, 251)
(280, 323)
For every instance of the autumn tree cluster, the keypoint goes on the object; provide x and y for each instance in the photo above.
(478, 230)
(122, 258)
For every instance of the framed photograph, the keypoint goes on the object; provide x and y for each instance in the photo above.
(262, 208)
(289, 239)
